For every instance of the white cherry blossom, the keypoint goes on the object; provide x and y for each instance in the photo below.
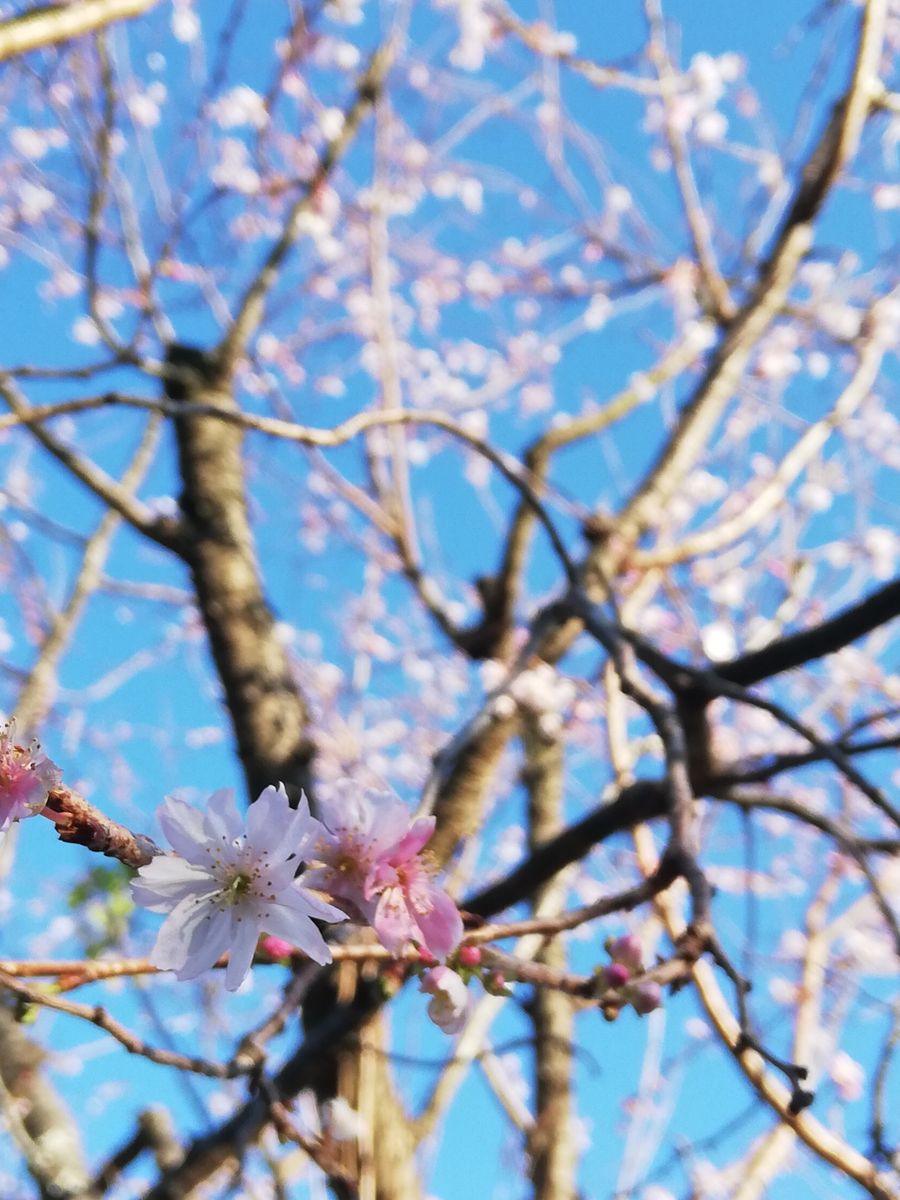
(230, 879)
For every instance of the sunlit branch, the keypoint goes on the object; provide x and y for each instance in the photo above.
(718, 295)
(100, 169)
(97, 1015)
(751, 510)
(50, 24)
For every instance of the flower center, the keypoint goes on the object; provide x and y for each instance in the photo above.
(237, 888)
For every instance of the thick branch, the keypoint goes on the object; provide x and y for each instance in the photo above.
(810, 644)
(268, 714)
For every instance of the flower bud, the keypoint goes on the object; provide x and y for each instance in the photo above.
(470, 956)
(615, 975)
(625, 950)
(276, 947)
(647, 996)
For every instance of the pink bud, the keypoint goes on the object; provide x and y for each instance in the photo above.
(498, 980)
(276, 947)
(647, 996)
(615, 975)
(426, 956)
(625, 950)
(470, 956)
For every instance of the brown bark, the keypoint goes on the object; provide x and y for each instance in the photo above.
(38, 1120)
(551, 1143)
(268, 714)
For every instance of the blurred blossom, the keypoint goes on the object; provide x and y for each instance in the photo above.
(369, 856)
(848, 1076)
(27, 776)
(241, 106)
(449, 998)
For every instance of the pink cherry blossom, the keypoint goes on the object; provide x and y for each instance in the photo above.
(449, 999)
(371, 861)
(230, 879)
(26, 778)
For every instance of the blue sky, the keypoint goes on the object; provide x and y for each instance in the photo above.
(137, 713)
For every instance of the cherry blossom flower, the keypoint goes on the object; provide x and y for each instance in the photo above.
(449, 999)
(371, 860)
(26, 778)
(230, 879)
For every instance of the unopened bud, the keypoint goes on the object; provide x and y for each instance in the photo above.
(470, 956)
(625, 950)
(615, 975)
(647, 996)
(276, 947)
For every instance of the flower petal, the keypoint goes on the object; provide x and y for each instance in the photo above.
(191, 939)
(441, 924)
(299, 930)
(268, 819)
(222, 821)
(183, 826)
(244, 936)
(167, 879)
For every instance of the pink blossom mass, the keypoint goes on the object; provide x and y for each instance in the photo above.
(26, 778)
(371, 860)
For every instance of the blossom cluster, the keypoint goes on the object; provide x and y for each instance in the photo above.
(278, 870)
(619, 975)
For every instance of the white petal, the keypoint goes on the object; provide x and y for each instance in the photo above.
(183, 826)
(166, 880)
(304, 830)
(298, 929)
(222, 822)
(268, 819)
(192, 937)
(299, 899)
(242, 943)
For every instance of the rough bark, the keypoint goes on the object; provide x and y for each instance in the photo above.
(551, 1144)
(267, 711)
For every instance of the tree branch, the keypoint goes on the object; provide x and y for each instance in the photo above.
(50, 24)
